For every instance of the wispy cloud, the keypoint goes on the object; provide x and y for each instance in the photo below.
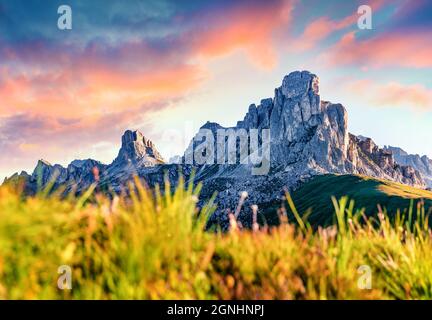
(386, 50)
(415, 96)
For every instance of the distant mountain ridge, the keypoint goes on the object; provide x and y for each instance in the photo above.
(421, 163)
(137, 156)
(308, 137)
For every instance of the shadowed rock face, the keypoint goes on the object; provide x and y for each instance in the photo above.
(295, 116)
(308, 137)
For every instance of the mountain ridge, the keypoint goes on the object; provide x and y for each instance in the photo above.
(423, 164)
(307, 137)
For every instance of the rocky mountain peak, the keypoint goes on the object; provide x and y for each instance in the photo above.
(298, 83)
(304, 127)
(136, 149)
(309, 136)
(43, 163)
(41, 167)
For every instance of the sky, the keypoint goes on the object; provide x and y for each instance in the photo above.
(166, 67)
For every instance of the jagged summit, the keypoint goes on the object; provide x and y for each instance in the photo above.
(42, 162)
(211, 125)
(298, 82)
(396, 151)
(136, 149)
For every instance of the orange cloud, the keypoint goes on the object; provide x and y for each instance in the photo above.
(82, 91)
(252, 30)
(405, 50)
(66, 82)
(28, 146)
(393, 94)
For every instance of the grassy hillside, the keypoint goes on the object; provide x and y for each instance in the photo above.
(314, 197)
(155, 247)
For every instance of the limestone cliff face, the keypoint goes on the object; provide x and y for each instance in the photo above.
(304, 127)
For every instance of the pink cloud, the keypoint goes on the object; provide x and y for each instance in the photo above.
(323, 27)
(252, 30)
(56, 98)
(393, 94)
(318, 30)
(25, 138)
(390, 49)
(62, 80)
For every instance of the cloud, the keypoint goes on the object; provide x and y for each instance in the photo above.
(324, 26)
(252, 30)
(65, 78)
(122, 61)
(404, 40)
(59, 91)
(318, 30)
(416, 96)
(385, 50)
(25, 138)
(412, 15)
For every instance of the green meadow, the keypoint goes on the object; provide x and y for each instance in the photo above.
(153, 245)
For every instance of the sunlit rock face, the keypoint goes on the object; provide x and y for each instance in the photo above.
(136, 149)
(305, 128)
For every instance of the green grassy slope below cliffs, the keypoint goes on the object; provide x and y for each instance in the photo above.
(314, 197)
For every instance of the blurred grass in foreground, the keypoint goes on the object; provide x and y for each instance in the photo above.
(154, 247)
